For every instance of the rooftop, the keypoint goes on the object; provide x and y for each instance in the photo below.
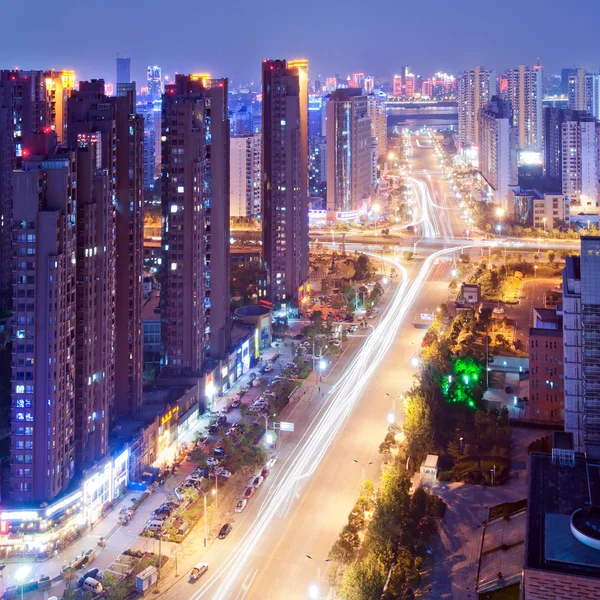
(536, 331)
(555, 492)
(502, 551)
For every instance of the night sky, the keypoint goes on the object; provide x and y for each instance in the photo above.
(230, 38)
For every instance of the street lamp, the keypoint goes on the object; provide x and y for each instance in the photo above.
(21, 575)
(499, 214)
(204, 519)
(363, 467)
(313, 590)
(392, 415)
(322, 367)
(461, 444)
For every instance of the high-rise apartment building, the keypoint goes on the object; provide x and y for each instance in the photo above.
(30, 102)
(152, 114)
(498, 149)
(571, 155)
(43, 380)
(576, 90)
(584, 92)
(378, 116)
(397, 85)
(349, 162)
(245, 169)
(525, 93)
(285, 177)
(120, 133)
(579, 158)
(581, 336)
(475, 88)
(123, 70)
(195, 204)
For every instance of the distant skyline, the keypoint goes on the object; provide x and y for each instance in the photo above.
(231, 39)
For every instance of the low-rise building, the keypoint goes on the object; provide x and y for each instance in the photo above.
(562, 556)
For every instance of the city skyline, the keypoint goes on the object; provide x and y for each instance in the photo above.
(252, 36)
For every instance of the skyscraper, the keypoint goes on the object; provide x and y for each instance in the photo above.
(498, 149)
(525, 93)
(123, 70)
(152, 114)
(584, 92)
(285, 177)
(581, 336)
(378, 116)
(195, 204)
(120, 132)
(42, 416)
(246, 181)
(475, 88)
(349, 164)
(154, 77)
(397, 85)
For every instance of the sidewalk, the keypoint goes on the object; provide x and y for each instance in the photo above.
(118, 537)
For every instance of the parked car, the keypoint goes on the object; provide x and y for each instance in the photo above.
(256, 382)
(221, 420)
(220, 452)
(236, 403)
(91, 573)
(241, 505)
(211, 461)
(265, 473)
(268, 368)
(198, 571)
(298, 336)
(257, 482)
(213, 429)
(249, 492)
(225, 531)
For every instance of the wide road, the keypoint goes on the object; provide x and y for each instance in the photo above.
(302, 506)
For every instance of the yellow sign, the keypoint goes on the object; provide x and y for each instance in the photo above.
(168, 416)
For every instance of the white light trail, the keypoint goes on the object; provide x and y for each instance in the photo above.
(321, 432)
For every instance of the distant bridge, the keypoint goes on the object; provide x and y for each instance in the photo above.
(415, 104)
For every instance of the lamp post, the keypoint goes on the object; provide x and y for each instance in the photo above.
(461, 444)
(21, 575)
(322, 367)
(392, 415)
(313, 590)
(204, 519)
(363, 468)
(499, 214)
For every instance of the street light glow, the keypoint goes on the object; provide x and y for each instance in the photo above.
(391, 418)
(313, 591)
(414, 362)
(322, 365)
(22, 573)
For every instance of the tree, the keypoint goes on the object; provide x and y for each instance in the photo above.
(551, 256)
(69, 576)
(345, 547)
(407, 255)
(363, 580)
(254, 456)
(361, 268)
(326, 286)
(417, 426)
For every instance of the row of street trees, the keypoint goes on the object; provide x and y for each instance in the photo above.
(380, 550)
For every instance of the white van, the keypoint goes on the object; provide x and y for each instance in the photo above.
(155, 526)
(92, 585)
